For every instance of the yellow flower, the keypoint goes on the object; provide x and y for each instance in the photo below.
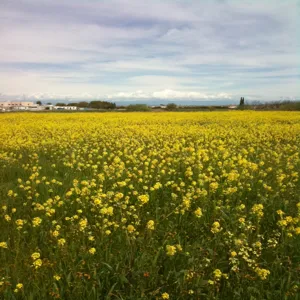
(97, 202)
(171, 250)
(130, 228)
(3, 245)
(92, 251)
(35, 255)
(37, 263)
(216, 227)
(257, 244)
(165, 296)
(20, 222)
(103, 210)
(280, 212)
(198, 212)
(217, 274)
(262, 273)
(57, 277)
(110, 210)
(150, 225)
(61, 242)
(242, 220)
(282, 223)
(82, 224)
(36, 221)
(7, 218)
(179, 248)
(143, 199)
(257, 209)
(55, 233)
(107, 232)
(238, 242)
(233, 254)
(19, 286)
(214, 186)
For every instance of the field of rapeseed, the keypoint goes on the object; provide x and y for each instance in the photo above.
(150, 205)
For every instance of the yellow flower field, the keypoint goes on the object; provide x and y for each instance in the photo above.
(150, 205)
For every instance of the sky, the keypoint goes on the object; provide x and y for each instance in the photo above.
(158, 50)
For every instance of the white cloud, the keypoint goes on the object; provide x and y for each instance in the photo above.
(163, 48)
(168, 95)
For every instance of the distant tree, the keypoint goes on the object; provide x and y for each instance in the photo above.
(39, 102)
(171, 106)
(137, 107)
(102, 105)
(49, 103)
(72, 104)
(256, 103)
(60, 104)
(242, 101)
(83, 104)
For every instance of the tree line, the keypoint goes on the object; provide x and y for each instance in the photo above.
(92, 104)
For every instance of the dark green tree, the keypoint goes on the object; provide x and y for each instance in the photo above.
(83, 104)
(171, 106)
(102, 105)
(242, 101)
(138, 107)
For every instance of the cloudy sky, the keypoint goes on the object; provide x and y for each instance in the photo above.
(144, 50)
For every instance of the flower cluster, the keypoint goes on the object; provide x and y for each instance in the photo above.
(173, 205)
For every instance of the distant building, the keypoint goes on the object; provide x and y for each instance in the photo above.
(15, 104)
(64, 107)
(18, 105)
(232, 106)
(48, 107)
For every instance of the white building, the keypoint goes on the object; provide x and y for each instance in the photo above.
(20, 105)
(65, 107)
(15, 104)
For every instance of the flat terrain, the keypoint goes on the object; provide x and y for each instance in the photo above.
(150, 205)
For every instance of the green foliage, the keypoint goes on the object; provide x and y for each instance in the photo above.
(242, 101)
(138, 107)
(102, 105)
(171, 106)
(83, 104)
(275, 105)
(290, 105)
(92, 104)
